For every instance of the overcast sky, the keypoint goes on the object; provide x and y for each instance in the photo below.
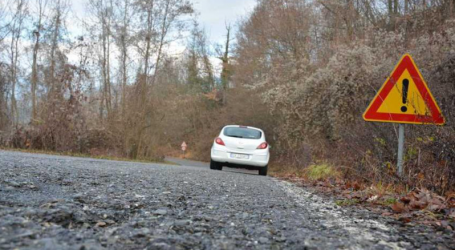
(213, 14)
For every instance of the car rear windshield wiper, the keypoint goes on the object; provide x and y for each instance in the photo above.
(236, 136)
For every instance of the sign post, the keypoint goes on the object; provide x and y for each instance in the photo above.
(404, 98)
(400, 148)
(184, 146)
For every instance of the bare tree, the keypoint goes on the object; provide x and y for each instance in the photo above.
(226, 71)
(17, 27)
(160, 18)
(103, 13)
(41, 5)
(4, 22)
(59, 11)
(4, 31)
(3, 100)
(124, 16)
(199, 69)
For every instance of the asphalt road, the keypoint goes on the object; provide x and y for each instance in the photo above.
(206, 165)
(54, 202)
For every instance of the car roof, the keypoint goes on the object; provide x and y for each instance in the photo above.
(236, 126)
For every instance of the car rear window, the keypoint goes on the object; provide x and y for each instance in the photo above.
(239, 132)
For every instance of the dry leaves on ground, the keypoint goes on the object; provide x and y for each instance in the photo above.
(419, 205)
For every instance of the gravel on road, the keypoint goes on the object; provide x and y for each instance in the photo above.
(55, 202)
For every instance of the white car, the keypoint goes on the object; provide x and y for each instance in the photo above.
(240, 147)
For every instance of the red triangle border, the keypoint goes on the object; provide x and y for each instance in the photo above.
(372, 114)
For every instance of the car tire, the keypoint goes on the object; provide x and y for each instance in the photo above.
(263, 171)
(213, 165)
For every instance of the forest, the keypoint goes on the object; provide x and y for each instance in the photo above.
(113, 83)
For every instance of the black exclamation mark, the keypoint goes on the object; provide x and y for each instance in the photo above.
(405, 95)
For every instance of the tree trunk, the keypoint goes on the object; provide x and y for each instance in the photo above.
(124, 56)
(391, 15)
(16, 31)
(148, 38)
(14, 112)
(52, 94)
(34, 80)
(225, 71)
(406, 22)
(3, 118)
(349, 19)
(451, 9)
(105, 101)
(143, 81)
(108, 62)
(164, 28)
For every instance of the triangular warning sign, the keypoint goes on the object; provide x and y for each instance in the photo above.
(404, 98)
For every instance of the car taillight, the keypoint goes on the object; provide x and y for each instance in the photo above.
(262, 145)
(219, 141)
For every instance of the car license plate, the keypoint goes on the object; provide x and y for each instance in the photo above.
(239, 156)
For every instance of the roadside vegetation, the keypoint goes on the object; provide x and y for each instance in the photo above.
(321, 172)
(304, 71)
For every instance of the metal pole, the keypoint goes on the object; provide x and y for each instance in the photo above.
(400, 148)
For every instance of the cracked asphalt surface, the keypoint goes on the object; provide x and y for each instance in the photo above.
(55, 202)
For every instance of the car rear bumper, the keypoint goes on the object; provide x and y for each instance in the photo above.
(255, 159)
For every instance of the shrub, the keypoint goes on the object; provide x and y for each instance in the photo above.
(319, 172)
